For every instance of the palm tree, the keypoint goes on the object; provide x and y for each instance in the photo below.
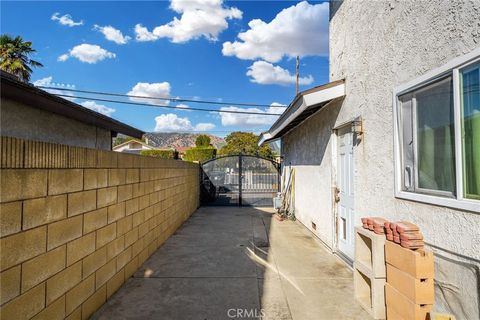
(14, 57)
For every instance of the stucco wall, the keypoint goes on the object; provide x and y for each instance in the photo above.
(22, 121)
(308, 150)
(376, 46)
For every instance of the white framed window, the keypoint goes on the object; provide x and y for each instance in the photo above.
(437, 136)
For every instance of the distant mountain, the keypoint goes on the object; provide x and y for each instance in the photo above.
(176, 140)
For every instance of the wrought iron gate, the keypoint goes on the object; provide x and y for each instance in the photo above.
(239, 180)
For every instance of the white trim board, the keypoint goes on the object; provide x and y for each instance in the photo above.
(306, 101)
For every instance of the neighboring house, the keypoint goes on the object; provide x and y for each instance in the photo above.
(397, 134)
(30, 113)
(133, 146)
(182, 150)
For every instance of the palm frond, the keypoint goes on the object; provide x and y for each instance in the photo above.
(15, 56)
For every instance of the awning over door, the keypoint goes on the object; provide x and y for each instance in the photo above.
(304, 105)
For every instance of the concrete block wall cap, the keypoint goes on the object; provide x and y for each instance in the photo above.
(369, 233)
(405, 236)
(405, 226)
(378, 220)
(412, 244)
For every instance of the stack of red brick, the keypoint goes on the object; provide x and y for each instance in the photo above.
(405, 233)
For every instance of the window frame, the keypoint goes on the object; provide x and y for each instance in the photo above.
(452, 68)
(469, 67)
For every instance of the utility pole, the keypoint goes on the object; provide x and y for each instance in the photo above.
(297, 67)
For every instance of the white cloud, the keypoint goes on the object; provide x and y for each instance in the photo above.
(44, 82)
(66, 20)
(277, 104)
(89, 53)
(250, 120)
(48, 82)
(112, 34)
(100, 108)
(142, 34)
(262, 72)
(158, 90)
(171, 122)
(63, 57)
(199, 18)
(183, 106)
(300, 30)
(276, 108)
(204, 126)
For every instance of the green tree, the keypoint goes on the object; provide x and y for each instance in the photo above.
(266, 152)
(202, 141)
(245, 143)
(15, 57)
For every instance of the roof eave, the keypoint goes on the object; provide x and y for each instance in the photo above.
(30, 95)
(318, 96)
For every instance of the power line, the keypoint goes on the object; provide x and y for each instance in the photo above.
(168, 107)
(164, 98)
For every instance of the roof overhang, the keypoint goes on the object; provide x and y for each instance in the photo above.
(27, 94)
(305, 104)
(118, 146)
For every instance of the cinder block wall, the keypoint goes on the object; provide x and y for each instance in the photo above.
(76, 223)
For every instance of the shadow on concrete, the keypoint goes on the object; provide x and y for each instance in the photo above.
(237, 263)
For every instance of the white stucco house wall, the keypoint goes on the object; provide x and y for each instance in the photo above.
(395, 134)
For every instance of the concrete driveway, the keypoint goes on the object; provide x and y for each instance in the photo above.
(237, 263)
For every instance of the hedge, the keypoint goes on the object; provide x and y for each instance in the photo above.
(200, 154)
(164, 154)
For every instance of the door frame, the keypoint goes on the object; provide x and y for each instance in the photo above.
(334, 183)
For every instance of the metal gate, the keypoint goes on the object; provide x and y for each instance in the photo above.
(239, 180)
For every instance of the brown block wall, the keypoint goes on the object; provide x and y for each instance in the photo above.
(76, 223)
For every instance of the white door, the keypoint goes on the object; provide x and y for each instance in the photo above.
(345, 223)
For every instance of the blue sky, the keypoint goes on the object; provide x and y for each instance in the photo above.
(200, 49)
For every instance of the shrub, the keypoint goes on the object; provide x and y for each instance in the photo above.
(200, 154)
(163, 154)
(202, 141)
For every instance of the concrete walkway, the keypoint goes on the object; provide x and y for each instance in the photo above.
(237, 263)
